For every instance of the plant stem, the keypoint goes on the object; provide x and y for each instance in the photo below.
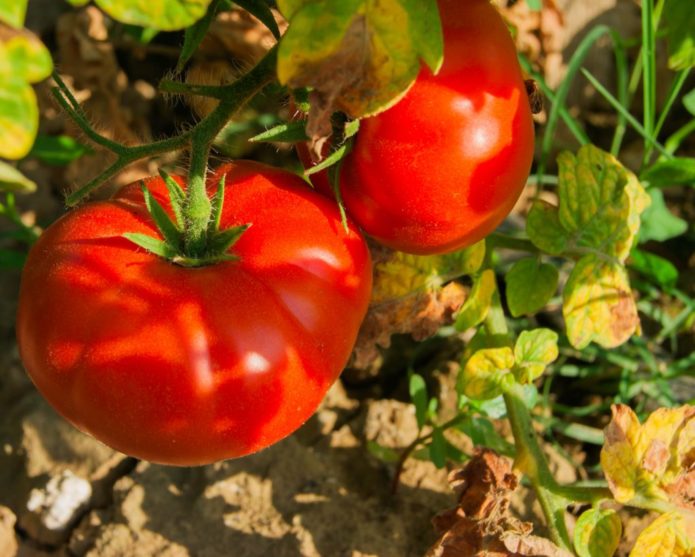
(530, 459)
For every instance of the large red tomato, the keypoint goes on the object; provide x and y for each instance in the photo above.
(191, 365)
(444, 166)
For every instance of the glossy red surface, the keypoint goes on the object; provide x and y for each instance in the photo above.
(188, 366)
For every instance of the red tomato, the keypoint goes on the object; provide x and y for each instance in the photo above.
(187, 366)
(443, 167)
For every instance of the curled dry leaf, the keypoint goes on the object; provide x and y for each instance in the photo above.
(407, 298)
(653, 462)
(481, 526)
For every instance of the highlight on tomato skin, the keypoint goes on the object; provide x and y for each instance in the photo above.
(442, 168)
(188, 366)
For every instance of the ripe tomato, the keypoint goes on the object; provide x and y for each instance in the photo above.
(444, 166)
(191, 365)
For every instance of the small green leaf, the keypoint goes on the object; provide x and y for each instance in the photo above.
(463, 262)
(177, 197)
(57, 150)
(153, 245)
(351, 128)
(170, 231)
(544, 229)
(655, 267)
(598, 305)
(679, 23)
(260, 10)
(165, 15)
(689, 102)
(658, 223)
(13, 12)
(483, 434)
(487, 373)
(530, 284)
(418, 394)
(283, 133)
(679, 171)
(535, 5)
(12, 180)
(195, 34)
(385, 454)
(533, 351)
(476, 307)
(438, 448)
(597, 533)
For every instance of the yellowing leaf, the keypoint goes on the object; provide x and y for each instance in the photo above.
(165, 15)
(25, 57)
(402, 274)
(533, 351)
(653, 462)
(670, 535)
(476, 307)
(13, 12)
(597, 533)
(359, 56)
(487, 373)
(598, 304)
(544, 229)
(12, 180)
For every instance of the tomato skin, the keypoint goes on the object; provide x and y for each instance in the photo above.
(187, 366)
(443, 167)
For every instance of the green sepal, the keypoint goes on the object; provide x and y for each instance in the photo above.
(170, 231)
(177, 197)
(153, 245)
(225, 239)
(261, 10)
(334, 180)
(291, 132)
(336, 156)
(196, 33)
(351, 128)
(217, 204)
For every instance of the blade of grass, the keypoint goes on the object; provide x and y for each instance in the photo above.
(648, 76)
(674, 91)
(615, 103)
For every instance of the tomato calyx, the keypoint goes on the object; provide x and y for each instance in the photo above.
(173, 245)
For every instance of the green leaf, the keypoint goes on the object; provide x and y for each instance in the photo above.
(679, 22)
(658, 223)
(535, 5)
(153, 245)
(24, 57)
(598, 304)
(382, 42)
(689, 102)
(487, 373)
(165, 15)
(438, 448)
(597, 533)
(195, 34)
(283, 133)
(418, 394)
(463, 262)
(655, 267)
(476, 307)
(544, 229)
(78, 3)
(12, 180)
(12, 259)
(533, 352)
(530, 284)
(385, 454)
(260, 10)
(170, 231)
(13, 12)
(679, 171)
(483, 434)
(57, 150)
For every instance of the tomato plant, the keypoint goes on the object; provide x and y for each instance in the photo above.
(444, 166)
(188, 365)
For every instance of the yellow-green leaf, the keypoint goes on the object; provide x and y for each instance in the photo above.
(597, 533)
(12, 180)
(533, 351)
(360, 56)
(13, 12)
(165, 15)
(402, 274)
(476, 307)
(24, 57)
(530, 284)
(487, 373)
(598, 305)
(463, 262)
(19, 118)
(670, 535)
(544, 229)
(653, 461)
